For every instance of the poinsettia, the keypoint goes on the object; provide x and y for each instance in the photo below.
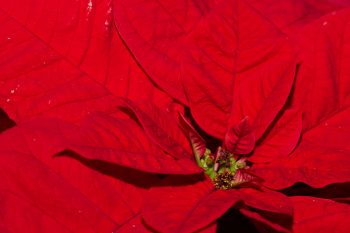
(267, 79)
(179, 202)
(321, 95)
(40, 193)
(44, 76)
(69, 70)
(262, 69)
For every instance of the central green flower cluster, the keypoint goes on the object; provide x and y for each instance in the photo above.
(222, 168)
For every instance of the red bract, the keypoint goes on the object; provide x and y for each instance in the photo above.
(65, 60)
(178, 204)
(94, 90)
(40, 193)
(180, 207)
(262, 85)
(290, 16)
(325, 215)
(321, 94)
(214, 52)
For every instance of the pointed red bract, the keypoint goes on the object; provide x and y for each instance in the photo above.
(240, 138)
(40, 192)
(321, 95)
(207, 68)
(282, 64)
(66, 60)
(186, 205)
(263, 99)
(322, 86)
(197, 142)
(156, 32)
(267, 200)
(237, 72)
(161, 127)
(122, 142)
(320, 215)
(281, 140)
(320, 159)
(119, 141)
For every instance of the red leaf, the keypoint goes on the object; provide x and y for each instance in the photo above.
(267, 200)
(208, 68)
(161, 127)
(321, 94)
(207, 73)
(123, 142)
(258, 218)
(320, 215)
(240, 138)
(320, 159)
(109, 139)
(40, 193)
(315, 167)
(185, 205)
(291, 15)
(246, 61)
(182, 205)
(156, 31)
(65, 60)
(265, 72)
(197, 142)
(117, 141)
(281, 140)
(262, 99)
(322, 86)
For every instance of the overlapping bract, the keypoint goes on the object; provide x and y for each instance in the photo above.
(95, 88)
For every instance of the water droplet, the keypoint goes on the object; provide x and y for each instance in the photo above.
(133, 226)
(12, 91)
(49, 102)
(109, 17)
(89, 7)
(109, 10)
(325, 23)
(9, 38)
(8, 100)
(313, 200)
